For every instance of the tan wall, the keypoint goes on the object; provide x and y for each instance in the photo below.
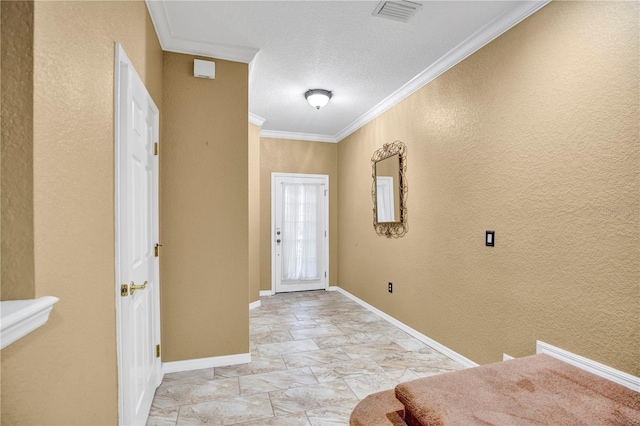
(536, 137)
(291, 156)
(66, 371)
(204, 217)
(1, 192)
(18, 280)
(254, 213)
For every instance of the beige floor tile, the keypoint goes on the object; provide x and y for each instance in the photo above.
(271, 337)
(271, 318)
(405, 359)
(336, 341)
(296, 341)
(372, 349)
(311, 397)
(383, 334)
(294, 325)
(193, 393)
(370, 383)
(350, 317)
(410, 343)
(276, 380)
(193, 376)
(330, 416)
(227, 411)
(297, 419)
(322, 356)
(310, 333)
(271, 349)
(256, 366)
(165, 417)
(269, 301)
(259, 329)
(438, 366)
(344, 369)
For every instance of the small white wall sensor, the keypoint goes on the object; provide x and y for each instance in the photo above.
(204, 69)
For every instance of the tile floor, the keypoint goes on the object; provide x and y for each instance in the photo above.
(315, 355)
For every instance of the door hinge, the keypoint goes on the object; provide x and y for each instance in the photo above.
(156, 250)
(325, 274)
(325, 192)
(325, 233)
(155, 148)
(157, 351)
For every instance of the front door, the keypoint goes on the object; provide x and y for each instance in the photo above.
(300, 228)
(137, 269)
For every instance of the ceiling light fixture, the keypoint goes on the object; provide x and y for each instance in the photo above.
(317, 98)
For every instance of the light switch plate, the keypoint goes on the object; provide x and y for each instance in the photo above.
(490, 238)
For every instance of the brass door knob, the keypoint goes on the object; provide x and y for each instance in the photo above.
(133, 287)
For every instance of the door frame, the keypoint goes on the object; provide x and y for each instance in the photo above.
(275, 175)
(121, 59)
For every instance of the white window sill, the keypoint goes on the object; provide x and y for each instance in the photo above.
(20, 317)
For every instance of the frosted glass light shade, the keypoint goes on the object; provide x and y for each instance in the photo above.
(318, 98)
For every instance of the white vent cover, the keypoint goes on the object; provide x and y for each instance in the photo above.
(204, 69)
(398, 10)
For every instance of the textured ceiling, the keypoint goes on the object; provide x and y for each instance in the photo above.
(364, 60)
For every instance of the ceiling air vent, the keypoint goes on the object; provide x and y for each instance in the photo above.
(398, 10)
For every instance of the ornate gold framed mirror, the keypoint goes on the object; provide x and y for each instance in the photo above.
(389, 189)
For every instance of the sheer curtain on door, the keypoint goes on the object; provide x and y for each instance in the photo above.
(302, 228)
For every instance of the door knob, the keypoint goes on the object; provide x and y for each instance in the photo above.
(133, 287)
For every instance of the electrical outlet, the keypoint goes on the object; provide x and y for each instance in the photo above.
(390, 287)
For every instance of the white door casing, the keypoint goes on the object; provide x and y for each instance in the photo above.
(136, 193)
(278, 282)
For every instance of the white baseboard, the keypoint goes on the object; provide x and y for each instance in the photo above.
(617, 376)
(506, 357)
(198, 364)
(266, 293)
(421, 337)
(332, 288)
(254, 305)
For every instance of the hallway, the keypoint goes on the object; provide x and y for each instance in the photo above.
(315, 355)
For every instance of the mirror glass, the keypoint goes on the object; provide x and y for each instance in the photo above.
(387, 172)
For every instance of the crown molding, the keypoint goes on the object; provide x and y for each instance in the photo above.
(466, 48)
(276, 134)
(252, 70)
(210, 50)
(170, 43)
(470, 45)
(256, 119)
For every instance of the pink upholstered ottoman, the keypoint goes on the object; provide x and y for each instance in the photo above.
(533, 390)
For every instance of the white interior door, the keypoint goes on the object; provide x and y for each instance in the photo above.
(300, 229)
(137, 266)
